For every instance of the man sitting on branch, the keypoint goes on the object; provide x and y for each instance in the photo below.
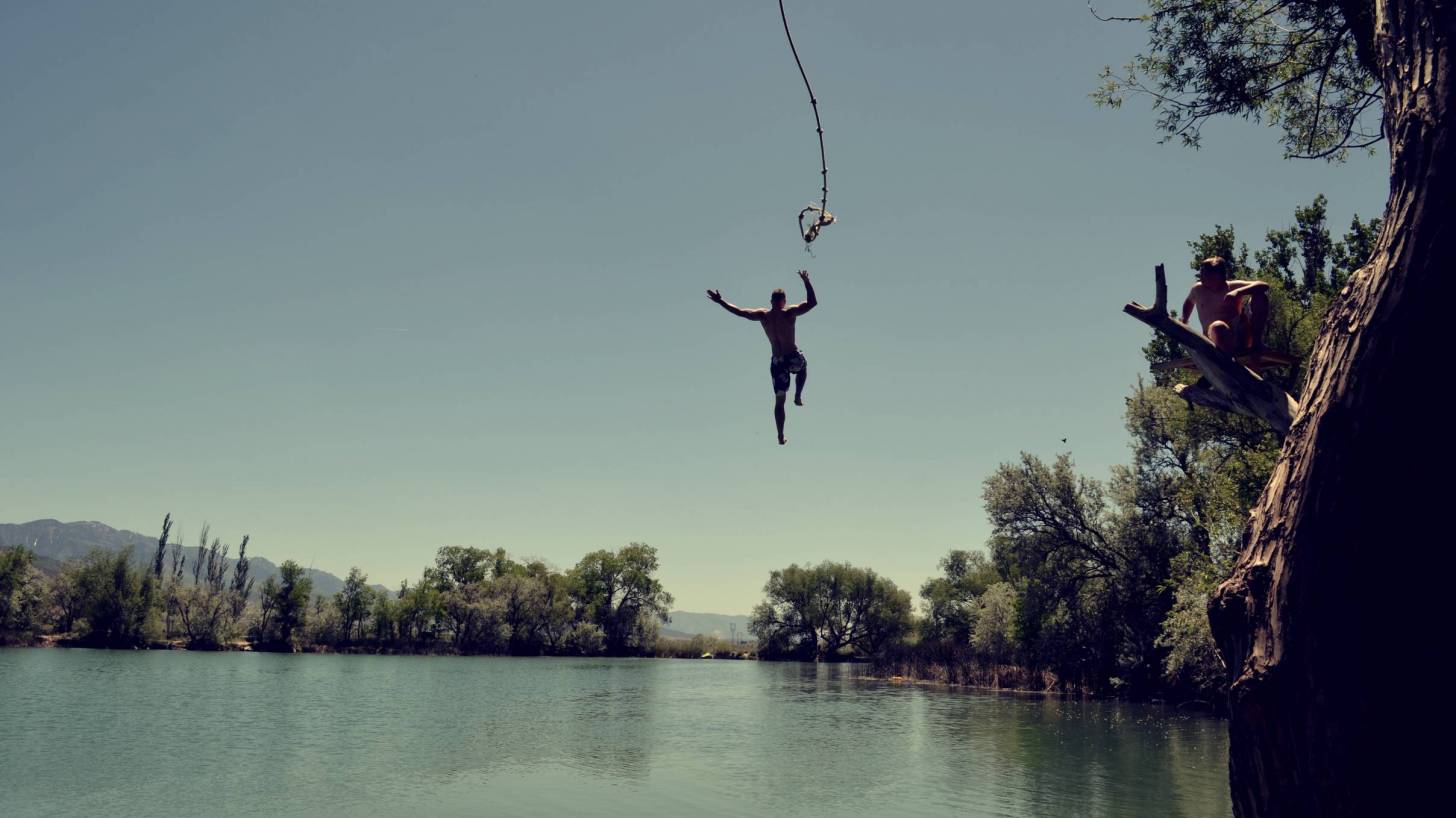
(778, 324)
(1233, 313)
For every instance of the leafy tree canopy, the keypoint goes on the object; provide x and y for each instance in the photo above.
(1303, 66)
(830, 610)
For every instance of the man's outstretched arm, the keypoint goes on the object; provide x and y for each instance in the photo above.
(800, 309)
(717, 298)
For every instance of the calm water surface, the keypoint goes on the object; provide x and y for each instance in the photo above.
(241, 734)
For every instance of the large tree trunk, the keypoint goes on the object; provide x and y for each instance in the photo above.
(1338, 606)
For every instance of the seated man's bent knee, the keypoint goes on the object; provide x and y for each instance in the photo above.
(1221, 334)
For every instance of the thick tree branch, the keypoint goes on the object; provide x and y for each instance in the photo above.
(1232, 386)
(1213, 399)
(1360, 18)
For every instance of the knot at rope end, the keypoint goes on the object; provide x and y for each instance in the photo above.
(824, 219)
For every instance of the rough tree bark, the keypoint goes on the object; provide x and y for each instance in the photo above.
(1339, 599)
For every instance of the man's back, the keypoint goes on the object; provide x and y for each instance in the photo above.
(778, 325)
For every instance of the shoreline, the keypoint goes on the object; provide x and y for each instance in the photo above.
(244, 646)
(1191, 706)
(53, 641)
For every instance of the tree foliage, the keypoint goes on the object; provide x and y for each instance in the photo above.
(211, 608)
(618, 592)
(354, 603)
(115, 599)
(952, 600)
(470, 600)
(1088, 567)
(1303, 66)
(22, 596)
(283, 608)
(828, 611)
(475, 600)
(994, 633)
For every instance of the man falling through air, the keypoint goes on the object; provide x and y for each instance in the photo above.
(778, 324)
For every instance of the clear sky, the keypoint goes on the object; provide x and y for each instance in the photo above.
(361, 279)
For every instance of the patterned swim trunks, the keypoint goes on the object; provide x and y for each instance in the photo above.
(780, 367)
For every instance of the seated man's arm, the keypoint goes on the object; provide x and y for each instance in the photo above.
(800, 309)
(1247, 287)
(752, 315)
(1188, 304)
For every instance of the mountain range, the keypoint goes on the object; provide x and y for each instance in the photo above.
(55, 542)
(722, 626)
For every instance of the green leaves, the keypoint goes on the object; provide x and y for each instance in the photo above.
(952, 600)
(827, 611)
(619, 593)
(22, 599)
(1295, 64)
(114, 599)
(283, 607)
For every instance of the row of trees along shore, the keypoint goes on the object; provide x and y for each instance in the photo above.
(471, 601)
(1086, 585)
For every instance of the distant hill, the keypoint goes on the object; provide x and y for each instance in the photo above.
(687, 623)
(68, 541)
(56, 542)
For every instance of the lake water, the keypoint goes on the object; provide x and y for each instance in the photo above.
(166, 733)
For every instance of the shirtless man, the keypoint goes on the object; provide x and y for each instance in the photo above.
(1233, 313)
(778, 325)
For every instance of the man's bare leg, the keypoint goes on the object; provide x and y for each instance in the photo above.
(779, 416)
(1258, 319)
(799, 386)
(1222, 336)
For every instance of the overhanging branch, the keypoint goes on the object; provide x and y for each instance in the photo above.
(1232, 387)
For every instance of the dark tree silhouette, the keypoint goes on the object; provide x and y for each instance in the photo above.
(1313, 624)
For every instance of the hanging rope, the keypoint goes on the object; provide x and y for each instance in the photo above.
(823, 218)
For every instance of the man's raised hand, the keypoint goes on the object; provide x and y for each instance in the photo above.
(804, 274)
(715, 296)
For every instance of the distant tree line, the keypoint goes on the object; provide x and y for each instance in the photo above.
(472, 600)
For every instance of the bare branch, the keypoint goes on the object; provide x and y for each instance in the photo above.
(1114, 18)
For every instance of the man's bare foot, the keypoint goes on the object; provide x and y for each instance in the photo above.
(798, 401)
(783, 440)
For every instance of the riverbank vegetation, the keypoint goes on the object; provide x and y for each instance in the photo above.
(829, 611)
(1102, 586)
(470, 601)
